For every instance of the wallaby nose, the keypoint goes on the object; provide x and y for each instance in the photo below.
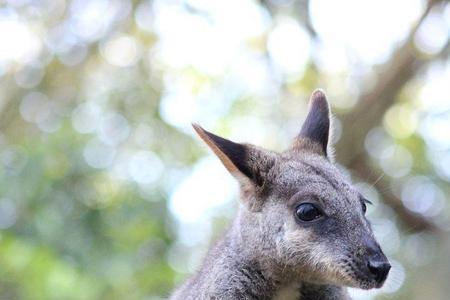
(379, 267)
(377, 263)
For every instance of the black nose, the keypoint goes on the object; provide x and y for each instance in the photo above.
(379, 268)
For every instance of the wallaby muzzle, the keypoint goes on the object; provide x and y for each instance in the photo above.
(376, 264)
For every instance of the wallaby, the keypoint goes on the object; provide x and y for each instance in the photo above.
(301, 231)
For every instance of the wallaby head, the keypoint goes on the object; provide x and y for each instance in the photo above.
(301, 217)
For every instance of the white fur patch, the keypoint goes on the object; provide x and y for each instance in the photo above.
(289, 292)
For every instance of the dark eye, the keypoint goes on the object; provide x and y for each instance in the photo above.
(308, 212)
(364, 203)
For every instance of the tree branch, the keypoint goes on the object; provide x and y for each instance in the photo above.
(393, 76)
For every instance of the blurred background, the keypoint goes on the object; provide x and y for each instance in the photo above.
(105, 191)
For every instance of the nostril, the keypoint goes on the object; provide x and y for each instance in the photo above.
(373, 266)
(379, 268)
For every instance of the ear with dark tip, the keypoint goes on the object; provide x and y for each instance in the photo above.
(315, 131)
(245, 162)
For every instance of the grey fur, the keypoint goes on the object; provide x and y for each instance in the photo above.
(267, 253)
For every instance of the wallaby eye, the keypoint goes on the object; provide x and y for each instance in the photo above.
(364, 202)
(308, 212)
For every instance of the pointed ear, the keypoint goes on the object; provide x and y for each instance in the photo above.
(246, 163)
(315, 131)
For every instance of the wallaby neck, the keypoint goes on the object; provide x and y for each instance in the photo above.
(228, 273)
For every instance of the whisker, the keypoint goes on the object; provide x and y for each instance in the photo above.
(378, 179)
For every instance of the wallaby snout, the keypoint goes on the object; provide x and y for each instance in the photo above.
(377, 263)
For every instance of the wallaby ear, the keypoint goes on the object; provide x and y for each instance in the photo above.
(245, 162)
(315, 131)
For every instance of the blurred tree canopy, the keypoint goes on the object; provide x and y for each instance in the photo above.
(101, 174)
